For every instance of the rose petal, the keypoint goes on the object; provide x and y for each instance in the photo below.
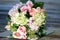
(17, 34)
(33, 11)
(24, 8)
(29, 3)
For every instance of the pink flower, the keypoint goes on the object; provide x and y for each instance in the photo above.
(17, 34)
(24, 9)
(32, 24)
(22, 29)
(42, 10)
(32, 11)
(38, 9)
(27, 7)
(29, 3)
(20, 33)
(17, 6)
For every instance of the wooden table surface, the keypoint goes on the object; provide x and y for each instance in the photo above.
(52, 36)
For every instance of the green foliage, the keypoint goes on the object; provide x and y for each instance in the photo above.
(19, 10)
(8, 18)
(11, 36)
(41, 31)
(31, 34)
(27, 15)
(27, 28)
(14, 27)
(38, 4)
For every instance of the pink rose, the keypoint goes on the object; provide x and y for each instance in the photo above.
(27, 7)
(20, 33)
(32, 12)
(38, 9)
(42, 10)
(24, 9)
(17, 34)
(29, 3)
(22, 29)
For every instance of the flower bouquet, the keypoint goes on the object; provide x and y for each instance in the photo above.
(26, 21)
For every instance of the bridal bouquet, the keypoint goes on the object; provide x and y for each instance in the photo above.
(27, 21)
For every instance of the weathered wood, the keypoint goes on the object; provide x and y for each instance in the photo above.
(53, 36)
(49, 38)
(1, 38)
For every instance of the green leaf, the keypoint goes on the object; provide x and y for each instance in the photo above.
(31, 34)
(39, 4)
(11, 36)
(27, 28)
(14, 27)
(8, 18)
(19, 10)
(27, 15)
(41, 31)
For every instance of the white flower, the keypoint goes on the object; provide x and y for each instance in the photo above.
(18, 5)
(7, 27)
(13, 12)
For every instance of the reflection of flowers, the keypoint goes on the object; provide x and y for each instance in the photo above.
(21, 33)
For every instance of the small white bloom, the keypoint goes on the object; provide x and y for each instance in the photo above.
(7, 27)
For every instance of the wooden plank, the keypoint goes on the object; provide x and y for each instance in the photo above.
(2, 21)
(4, 13)
(53, 36)
(53, 16)
(49, 38)
(53, 1)
(9, 1)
